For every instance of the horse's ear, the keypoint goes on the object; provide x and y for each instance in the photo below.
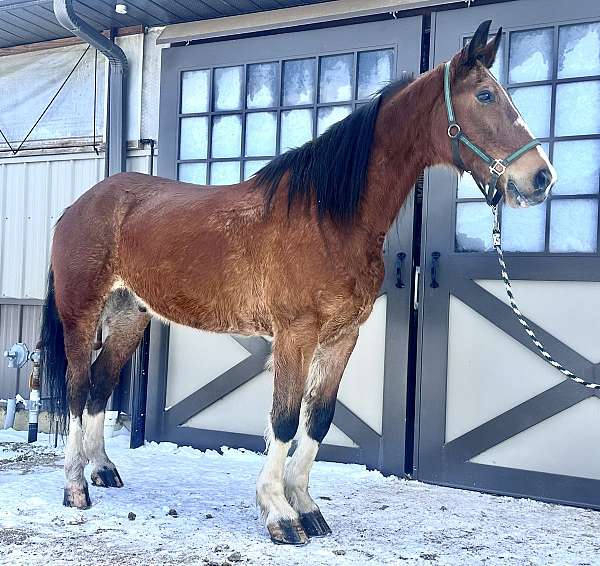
(479, 49)
(488, 53)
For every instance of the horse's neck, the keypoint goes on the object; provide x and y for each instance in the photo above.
(405, 143)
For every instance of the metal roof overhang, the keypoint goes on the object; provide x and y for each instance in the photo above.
(288, 17)
(24, 22)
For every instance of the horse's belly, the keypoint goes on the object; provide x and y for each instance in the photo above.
(217, 314)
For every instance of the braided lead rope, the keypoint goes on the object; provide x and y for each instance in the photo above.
(513, 305)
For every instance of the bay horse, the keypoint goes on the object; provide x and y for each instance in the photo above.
(294, 253)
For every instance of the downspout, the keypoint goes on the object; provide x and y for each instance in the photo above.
(116, 141)
(117, 81)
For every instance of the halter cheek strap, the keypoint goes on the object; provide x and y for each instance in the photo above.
(497, 167)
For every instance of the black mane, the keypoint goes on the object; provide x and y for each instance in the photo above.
(331, 169)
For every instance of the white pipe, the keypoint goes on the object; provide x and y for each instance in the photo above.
(11, 409)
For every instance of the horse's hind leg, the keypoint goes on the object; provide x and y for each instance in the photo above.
(126, 324)
(325, 373)
(78, 337)
(292, 351)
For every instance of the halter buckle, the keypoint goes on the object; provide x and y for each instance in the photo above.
(497, 168)
(455, 134)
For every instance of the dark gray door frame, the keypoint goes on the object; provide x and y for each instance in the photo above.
(384, 451)
(448, 463)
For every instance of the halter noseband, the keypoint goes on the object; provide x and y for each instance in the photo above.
(497, 166)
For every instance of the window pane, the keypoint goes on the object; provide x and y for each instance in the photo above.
(531, 55)
(473, 227)
(193, 141)
(335, 80)
(331, 115)
(194, 91)
(578, 109)
(192, 173)
(467, 188)
(534, 105)
(225, 173)
(227, 136)
(261, 132)
(573, 225)
(296, 128)
(578, 166)
(228, 88)
(374, 71)
(523, 229)
(579, 50)
(262, 85)
(251, 167)
(298, 82)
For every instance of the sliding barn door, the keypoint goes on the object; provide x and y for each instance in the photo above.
(227, 108)
(492, 415)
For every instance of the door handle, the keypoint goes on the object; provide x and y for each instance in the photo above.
(416, 288)
(435, 258)
(400, 257)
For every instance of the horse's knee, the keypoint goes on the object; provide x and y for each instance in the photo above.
(319, 417)
(284, 421)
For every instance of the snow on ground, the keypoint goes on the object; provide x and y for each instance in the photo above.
(375, 520)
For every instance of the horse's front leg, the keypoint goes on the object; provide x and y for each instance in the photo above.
(318, 406)
(292, 351)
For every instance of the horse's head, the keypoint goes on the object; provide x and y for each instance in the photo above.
(487, 117)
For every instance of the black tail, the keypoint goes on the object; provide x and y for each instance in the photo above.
(53, 358)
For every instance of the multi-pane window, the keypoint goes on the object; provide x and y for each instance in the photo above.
(553, 77)
(233, 120)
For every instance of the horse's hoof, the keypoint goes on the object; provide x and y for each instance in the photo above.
(106, 477)
(287, 531)
(77, 497)
(314, 524)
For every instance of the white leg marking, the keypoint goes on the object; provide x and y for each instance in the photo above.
(75, 459)
(93, 439)
(269, 486)
(297, 471)
(104, 472)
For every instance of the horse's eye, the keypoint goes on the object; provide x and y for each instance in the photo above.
(485, 97)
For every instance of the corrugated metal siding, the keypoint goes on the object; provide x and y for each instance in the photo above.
(9, 334)
(33, 194)
(18, 323)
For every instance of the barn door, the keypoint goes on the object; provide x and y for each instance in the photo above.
(493, 415)
(226, 109)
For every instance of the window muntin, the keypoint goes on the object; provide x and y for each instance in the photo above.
(234, 119)
(553, 76)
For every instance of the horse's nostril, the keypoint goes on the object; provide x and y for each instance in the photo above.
(542, 180)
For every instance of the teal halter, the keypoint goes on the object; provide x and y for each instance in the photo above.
(497, 166)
